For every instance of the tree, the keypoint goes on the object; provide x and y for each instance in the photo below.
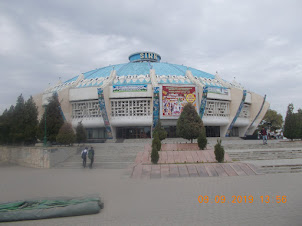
(17, 125)
(202, 139)
(66, 134)
(299, 121)
(81, 133)
(30, 121)
(272, 120)
(291, 127)
(161, 132)
(156, 146)
(219, 151)
(54, 120)
(5, 125)
(189, 123)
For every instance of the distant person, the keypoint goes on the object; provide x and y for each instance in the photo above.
(84, 156)
(264, 135)
(91, 156)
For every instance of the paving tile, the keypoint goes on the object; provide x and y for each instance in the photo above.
(229, 170)
(255, 169)
(189, 156)
(192, 170)
(183, 157)
(173, 171)
(201, 156)
(238, 169)
(246, 169)
(183, 171)
(137, 171)
(212, 155)
(201, 170)
(146, 171)
(176, 157)
(155, 171)
(145, 156)
(138, 158)
(211, 171)
(170, 157)
(207, 156)
(164, 170)
(221, 172)
(227, 158)
(194, 156)
(163, 157)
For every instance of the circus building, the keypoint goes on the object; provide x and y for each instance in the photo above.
(126, 100)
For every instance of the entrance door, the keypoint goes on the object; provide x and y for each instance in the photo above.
(133, 132)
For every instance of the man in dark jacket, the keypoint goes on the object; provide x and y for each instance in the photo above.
(91, 156)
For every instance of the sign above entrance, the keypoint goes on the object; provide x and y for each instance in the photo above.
(144, 56)
(129, 88)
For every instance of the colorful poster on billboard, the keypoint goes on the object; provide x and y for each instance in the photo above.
(174, 98)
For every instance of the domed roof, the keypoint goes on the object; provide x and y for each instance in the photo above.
(137, 71)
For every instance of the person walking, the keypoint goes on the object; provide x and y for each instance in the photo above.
(84, 156)
(264, 135)
(91, 156)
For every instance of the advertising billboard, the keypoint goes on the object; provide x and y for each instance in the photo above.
(174, 98)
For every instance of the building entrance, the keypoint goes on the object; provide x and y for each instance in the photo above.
(212, 131)
(133, 132)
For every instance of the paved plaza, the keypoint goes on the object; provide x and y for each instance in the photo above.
(164, 201)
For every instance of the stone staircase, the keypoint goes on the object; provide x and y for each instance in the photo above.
(266, 154)
(107, 156)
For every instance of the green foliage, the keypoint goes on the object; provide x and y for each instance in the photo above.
(18, 125)
(54, 120)
(156, 146)
(189, 123)
(219, 151)
(5, 125)
(31, 121)
(202, 139)
(81, 133)
(156, 142)
(161, 132)
(66, 134)
(272, 120)
(299, 122)
(292, 124)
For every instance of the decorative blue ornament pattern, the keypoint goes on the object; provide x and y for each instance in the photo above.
(203, 101)
(155, 106)
(104, 113)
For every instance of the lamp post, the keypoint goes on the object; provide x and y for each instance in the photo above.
(45, 138)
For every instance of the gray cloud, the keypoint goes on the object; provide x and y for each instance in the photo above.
(258, 42)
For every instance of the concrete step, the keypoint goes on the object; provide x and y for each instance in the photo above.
(98, 165)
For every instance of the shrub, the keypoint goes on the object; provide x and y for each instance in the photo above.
(156, 146)
(156, 142)
(202, 139)
(219, 151)
(66, 134)
(161, 132)
(189, 123)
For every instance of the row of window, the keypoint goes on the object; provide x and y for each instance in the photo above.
(142, 107)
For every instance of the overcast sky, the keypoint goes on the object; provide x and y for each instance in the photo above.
(257, 42)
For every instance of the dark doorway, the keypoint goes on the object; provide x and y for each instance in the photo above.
(133, 132)
(213, 131)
